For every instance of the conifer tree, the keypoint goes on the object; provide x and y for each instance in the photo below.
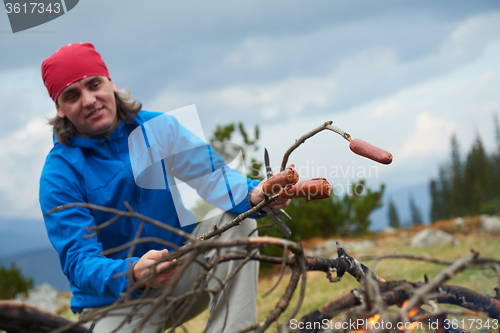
(496, 160)
(457, 196)
(468, 187)
(416, 216)
(445, 192)
(393, 216)
(477, 176)
(436, 202)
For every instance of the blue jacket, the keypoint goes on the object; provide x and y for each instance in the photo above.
(99, 171)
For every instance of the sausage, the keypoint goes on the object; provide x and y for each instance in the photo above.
(367, 150)
(313, 189)
(273, 185)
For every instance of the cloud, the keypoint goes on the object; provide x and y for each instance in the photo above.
(430, 136)
(471, 38)
(389, 108)
(285, 99)
(381, 70)
(22, 97)
(293, 75)
(484, 82)
(25, 140)
(22, 154)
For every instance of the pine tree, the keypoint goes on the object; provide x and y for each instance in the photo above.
(457, 196)
(416, 216)
(436, 204)
(446, 190)
(496, 160)
(393, 216)
(468, 188)
(477, 176)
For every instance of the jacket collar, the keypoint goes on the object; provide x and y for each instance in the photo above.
(92, 142)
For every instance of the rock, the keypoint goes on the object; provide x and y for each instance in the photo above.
(330, 246)
(490, 223)
(359, 246)
(328, 249)
(323, 249)
(431, 237)
(389, 230)
(457, 225)
(46, 298)
(316, 251)
(459, 221)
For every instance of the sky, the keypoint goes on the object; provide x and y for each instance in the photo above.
(402, 75)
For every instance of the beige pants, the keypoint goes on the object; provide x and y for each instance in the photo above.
(241, 291)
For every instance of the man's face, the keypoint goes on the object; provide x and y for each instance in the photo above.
(89, 104)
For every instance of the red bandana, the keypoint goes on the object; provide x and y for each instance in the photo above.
(69, 64)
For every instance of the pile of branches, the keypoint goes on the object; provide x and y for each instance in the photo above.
(374, 301)
(352, 310)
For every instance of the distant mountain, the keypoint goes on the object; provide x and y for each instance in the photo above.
(401, 198)
(22, 235)
(41, 264)
(25, 243)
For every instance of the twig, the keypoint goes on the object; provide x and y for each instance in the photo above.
(237, 220)
(376, 259)
(421, 294)
(326, 125)
(282, 303)
(282, 272)
(120, 213)
(302, 265)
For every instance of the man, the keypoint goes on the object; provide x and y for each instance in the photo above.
(90, 163)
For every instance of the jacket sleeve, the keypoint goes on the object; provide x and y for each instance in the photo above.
(61, 183)
(193, 162)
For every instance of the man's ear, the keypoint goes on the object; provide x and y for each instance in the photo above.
(60, 112)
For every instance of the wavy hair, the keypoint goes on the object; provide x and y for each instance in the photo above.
(126, 109)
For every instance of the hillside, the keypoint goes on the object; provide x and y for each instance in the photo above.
(41, 264)
(22, 235)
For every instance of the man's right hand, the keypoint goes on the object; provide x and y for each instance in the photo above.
(257, 195)
(143, 267)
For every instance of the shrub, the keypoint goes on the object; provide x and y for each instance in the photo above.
(12, 282)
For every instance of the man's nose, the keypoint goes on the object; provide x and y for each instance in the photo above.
(88, 98)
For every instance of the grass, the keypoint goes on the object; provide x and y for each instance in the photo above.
(319, 290)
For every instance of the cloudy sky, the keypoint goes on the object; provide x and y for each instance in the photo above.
(402, 75)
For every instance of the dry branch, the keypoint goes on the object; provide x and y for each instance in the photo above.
(327, 125)
(396, 292)
(20, 318)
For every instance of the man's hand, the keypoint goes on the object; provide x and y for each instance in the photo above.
(143, 267)
(257, 195)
